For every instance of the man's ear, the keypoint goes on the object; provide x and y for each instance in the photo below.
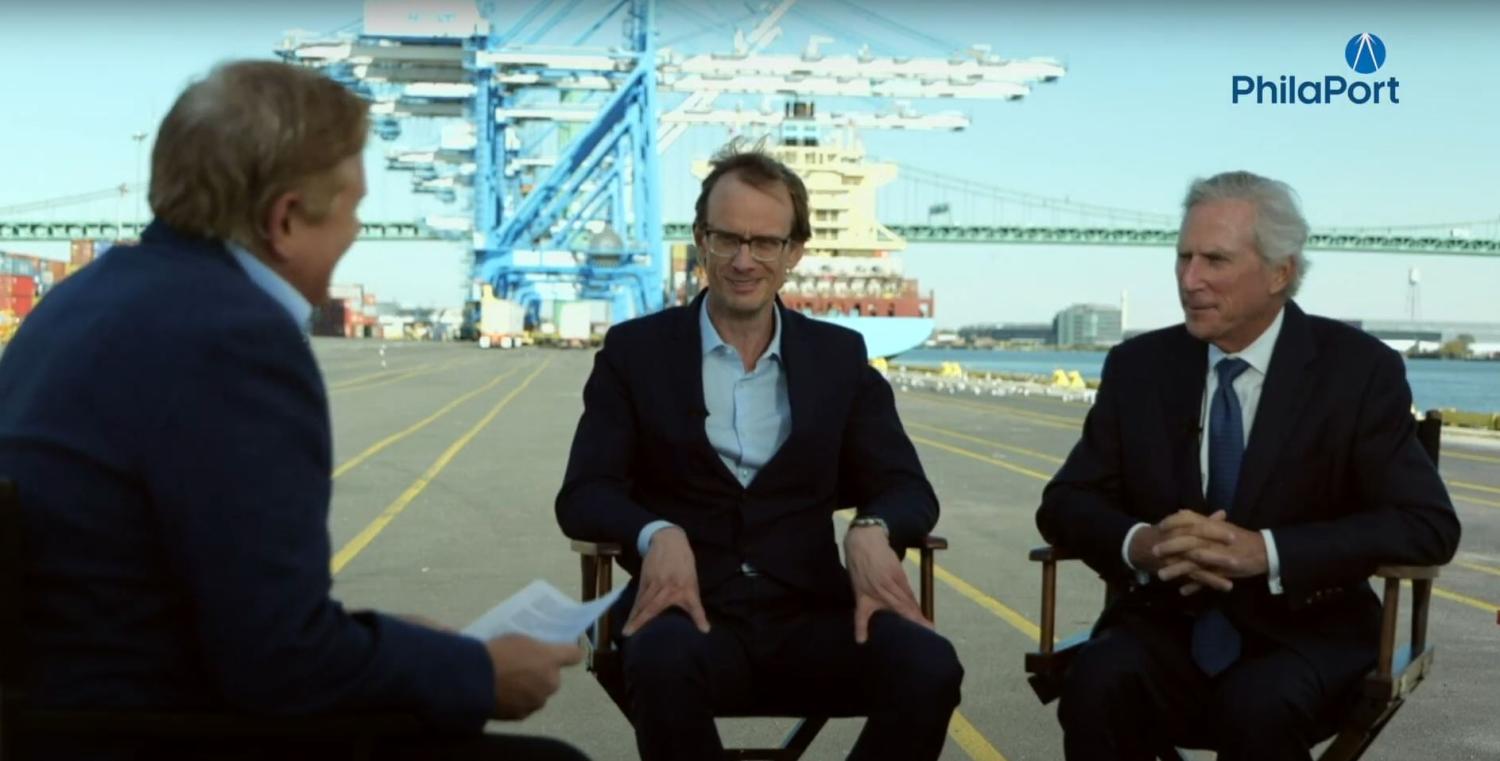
(1281, 275)
(794, 255)
(282, 221)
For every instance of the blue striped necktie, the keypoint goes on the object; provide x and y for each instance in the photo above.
(1216, 643)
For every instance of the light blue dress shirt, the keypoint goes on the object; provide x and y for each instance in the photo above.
(749, 413)
(290, 299)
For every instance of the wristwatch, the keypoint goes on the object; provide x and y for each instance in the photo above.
(870, 520)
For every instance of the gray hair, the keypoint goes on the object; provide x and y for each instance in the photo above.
(1280, 229)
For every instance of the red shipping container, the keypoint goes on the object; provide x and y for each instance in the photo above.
(20, 306)
(17, 285)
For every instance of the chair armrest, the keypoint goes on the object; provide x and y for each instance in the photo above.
(1050, 554)
(598, 549)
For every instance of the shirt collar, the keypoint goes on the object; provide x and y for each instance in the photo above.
(1258, 353)
(273, 284)
(710, 340)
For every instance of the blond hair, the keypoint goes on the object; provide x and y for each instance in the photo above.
(246, 134)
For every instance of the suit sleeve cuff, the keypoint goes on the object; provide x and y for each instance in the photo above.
(1141, 577)
(1273, 562)
(643, 541)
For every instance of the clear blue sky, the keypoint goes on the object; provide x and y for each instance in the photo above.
(1144, 108)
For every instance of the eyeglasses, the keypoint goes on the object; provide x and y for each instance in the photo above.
(726, 245)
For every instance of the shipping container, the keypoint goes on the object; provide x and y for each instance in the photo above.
(17, 305)
(80, 252)
(573, 323)
(353, 293)
(19, 264)
(329, 318)
(500, 317)
(17, 285)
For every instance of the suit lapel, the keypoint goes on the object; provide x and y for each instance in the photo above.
(1281, 402)
(1186, 369)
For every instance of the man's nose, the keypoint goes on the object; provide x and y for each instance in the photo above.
(1189, 274)
(742, 260)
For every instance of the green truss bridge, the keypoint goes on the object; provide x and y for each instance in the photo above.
(1364, 241)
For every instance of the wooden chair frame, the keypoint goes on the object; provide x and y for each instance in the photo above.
(352, 735)
(597, 560)
(1398, 671)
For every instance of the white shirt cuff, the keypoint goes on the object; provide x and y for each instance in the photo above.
(1273, 562)
(643, 543)
(1141, 577)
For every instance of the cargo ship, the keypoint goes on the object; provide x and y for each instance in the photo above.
(850, 274)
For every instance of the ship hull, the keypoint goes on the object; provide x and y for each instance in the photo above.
(886, 336)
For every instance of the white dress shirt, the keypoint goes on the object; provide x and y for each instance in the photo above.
(1247, 387)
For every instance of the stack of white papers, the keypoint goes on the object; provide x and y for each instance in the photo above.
(541, 611)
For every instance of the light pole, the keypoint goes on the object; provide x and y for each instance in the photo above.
(140, 142)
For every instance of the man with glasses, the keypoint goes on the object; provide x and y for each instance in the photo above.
(716, 441)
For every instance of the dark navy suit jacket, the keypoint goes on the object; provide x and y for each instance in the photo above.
(1333, 468)
(167, 427)
(641, 453)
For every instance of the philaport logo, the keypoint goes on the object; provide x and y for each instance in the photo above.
(1365, 53)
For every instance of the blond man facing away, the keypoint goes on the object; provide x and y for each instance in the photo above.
(164, 419)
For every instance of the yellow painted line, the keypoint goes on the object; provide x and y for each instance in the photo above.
(387, 377)
(417, 426)
(1467, 456)
(994, 409)
(1004, 612)
(1481, 567)
(1000, 609)
(970, 740)
(982, 458)
(416, 372)
(363, 378)
(1475, 500)
(1474, 487)
(363, 539)
(988, 442)
(1472, 602)
(1067, 419)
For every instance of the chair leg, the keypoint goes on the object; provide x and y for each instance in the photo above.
(1357, 736)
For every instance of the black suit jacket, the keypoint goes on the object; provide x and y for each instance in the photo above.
(166, 424)
(641, 454)
(1333, 467)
